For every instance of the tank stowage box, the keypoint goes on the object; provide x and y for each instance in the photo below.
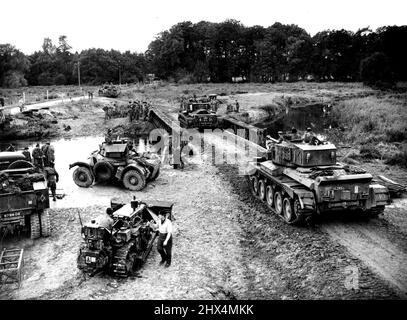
(300, 180)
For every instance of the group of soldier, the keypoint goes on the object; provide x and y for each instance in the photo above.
(135, 110)
(138, 110)
(43, 158)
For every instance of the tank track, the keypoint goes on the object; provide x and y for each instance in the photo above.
(122, 262)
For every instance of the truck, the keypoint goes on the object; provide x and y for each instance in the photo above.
(121, 247)
(116, 160)
(299, 181)
(24, 197)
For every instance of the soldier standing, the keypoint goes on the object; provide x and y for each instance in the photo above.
(237, 106)
(52, 178)
(44, 150)
(50, 153)
(164, 244)
(27, 154)
(37, 156)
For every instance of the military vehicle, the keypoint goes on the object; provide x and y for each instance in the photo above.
(5, 120)
(110, 91)
(24, 197)
(121, 246)
(199, 113)
(115, 160)
(300, 180)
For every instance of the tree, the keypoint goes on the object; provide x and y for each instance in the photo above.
(13, 66)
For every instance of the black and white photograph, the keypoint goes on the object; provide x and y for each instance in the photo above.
(220, 151)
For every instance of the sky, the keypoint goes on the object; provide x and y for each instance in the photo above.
(132, 24)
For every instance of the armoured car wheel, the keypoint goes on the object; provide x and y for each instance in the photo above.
(83, 177)
(262, 190)
(254, 181)
(20, 164)
(103, 171)
(278, 202)
(288, 210)
(269, 196)
(133, 180)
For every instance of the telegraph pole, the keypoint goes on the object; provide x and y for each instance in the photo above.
(79, 74)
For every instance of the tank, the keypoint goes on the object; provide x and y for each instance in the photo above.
(119, 246)
(299, 181)
(110, 91)
(199, 113)
(116, 160)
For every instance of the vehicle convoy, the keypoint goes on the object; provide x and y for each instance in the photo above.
(299, 180)
(109, 90)
(24, 197)
(121, 247)
(115, 160)
(199, 113)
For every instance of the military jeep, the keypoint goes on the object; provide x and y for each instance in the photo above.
(116, 160)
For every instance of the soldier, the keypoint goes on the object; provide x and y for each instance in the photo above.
(164, 244)
(52, 178)
(308, 135)
(106, 220)
(38, 156)
(50, 153)
(27, 154)
(44, 150)
(294, 134)
(11, 148)
(108, 137)
(237, 106)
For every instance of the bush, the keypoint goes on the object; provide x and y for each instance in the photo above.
(399, 158)
(370, 152)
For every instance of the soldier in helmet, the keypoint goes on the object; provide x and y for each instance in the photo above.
(52, 178)
(294, 134)
(308, 135)
(38, 156)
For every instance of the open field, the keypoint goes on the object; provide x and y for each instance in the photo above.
(227, 245)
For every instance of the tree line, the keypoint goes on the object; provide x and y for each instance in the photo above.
(220, 52)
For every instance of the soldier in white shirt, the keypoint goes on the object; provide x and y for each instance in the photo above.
(164, 244)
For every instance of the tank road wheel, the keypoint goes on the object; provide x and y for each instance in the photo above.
(288, 210)
(103, 171)
(45, 224)
(262, 190)
(270, 196)
(83, 177)
(254, 185)
(278, 202)
(134, 181)
(35, 228)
